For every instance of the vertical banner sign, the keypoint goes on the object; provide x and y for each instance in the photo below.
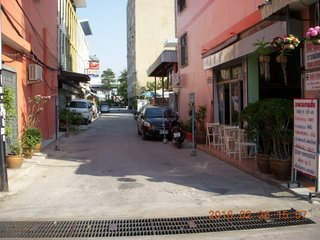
(306, 137)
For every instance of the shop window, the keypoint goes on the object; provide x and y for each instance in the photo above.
(184, 50)
(230, 94)
(181, 5)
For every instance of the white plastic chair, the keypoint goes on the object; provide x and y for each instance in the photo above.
(243, 145)
(212, 134)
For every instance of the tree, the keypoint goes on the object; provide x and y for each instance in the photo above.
(108, 78)
(123, 85)
(150, 85)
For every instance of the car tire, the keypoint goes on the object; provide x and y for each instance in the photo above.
(144, 136)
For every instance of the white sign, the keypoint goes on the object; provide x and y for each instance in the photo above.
(312, 81)
(306, 124)
(312, 55)
(306, 139)
(306, 162)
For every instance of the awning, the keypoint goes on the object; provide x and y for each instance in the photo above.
(73, 76)
(165, 61)
(244, 46)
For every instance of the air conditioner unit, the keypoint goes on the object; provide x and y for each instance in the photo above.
(35, 73)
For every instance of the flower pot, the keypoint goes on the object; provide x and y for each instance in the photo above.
(188, 135)
(281, 169)
(263, 162)
(200, 138)
(37, 148)
(28, 153)
(289, 46)
(14, 161)
(264, 59)
(281, 59)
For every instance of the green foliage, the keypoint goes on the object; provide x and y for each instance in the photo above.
(150, 86)
(271, 118)
(65, 116)
(8, 102)
(16, 149)
(108, 78)
(263, 48)
(187, 126)
(76, 116)
(200, 116)
(31, 137)
(123, 89)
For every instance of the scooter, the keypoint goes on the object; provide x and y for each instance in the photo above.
(177, 135)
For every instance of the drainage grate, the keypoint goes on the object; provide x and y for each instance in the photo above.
(147, 227)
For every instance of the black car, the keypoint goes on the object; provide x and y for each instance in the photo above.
(154, 121)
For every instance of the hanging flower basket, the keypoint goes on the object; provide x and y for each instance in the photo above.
(289, 46)
(264, 59)
(313, 35)
(282, 59)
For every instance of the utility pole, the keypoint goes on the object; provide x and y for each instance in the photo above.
(3, 163)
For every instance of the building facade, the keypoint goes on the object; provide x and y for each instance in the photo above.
(30, 59)
(149, 25)
(217, 59)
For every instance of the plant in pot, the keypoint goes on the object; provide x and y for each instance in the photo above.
(15, 158)
(256, 130)
(77, 118)
(200, 118)
(313, 35)
(263, 50)
(29, 140)
(277, 122)
(65, 120)
(38, 139)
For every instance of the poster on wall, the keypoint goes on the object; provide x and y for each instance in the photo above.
(312, 81)
(221, 103)
(306, 137)
(312, 55)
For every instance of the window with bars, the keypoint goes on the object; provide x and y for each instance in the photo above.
(184, 50)
(181, 5)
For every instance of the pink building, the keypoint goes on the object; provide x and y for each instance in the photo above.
(29, 55)
(217, 60)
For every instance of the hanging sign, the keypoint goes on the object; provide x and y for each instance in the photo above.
(312, 81)
(312, 55)
(306, 137)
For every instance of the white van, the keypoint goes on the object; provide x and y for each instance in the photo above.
(82, 106)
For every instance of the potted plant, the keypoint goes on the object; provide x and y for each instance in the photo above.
(200, 119)
(29, 140)
(313, 35)
(256, 129)
(277, 122)
(65, 119)
(38, 139)
(15, 158)
(263, 50)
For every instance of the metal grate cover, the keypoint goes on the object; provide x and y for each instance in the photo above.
(146, 227)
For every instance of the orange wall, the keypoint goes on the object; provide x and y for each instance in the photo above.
(43, 41)
(207, 24)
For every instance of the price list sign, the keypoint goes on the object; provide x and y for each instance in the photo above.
(306, 137)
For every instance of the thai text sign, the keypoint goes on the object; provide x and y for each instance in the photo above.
(312, 81)
(312, 55)
(306, 138)
(306, 162)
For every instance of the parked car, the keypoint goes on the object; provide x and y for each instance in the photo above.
(82, 106)
(154, 121)
(104, 108)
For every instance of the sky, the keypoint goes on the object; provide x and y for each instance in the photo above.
(107, 19)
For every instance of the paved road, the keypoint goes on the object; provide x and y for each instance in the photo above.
(108, 172)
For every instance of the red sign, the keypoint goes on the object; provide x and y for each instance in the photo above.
(312, 55)
(93, 65)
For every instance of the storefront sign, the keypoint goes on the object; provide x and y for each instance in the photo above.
(312, 81)
(312, 55)
(306, 137)
(306, 162)
(306, 124)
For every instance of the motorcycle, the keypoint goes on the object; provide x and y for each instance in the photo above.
(177, 135)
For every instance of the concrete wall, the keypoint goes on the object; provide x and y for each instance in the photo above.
(151, 22)
(207, 24)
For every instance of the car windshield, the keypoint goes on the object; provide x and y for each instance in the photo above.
(78, 105)
(158, 113)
